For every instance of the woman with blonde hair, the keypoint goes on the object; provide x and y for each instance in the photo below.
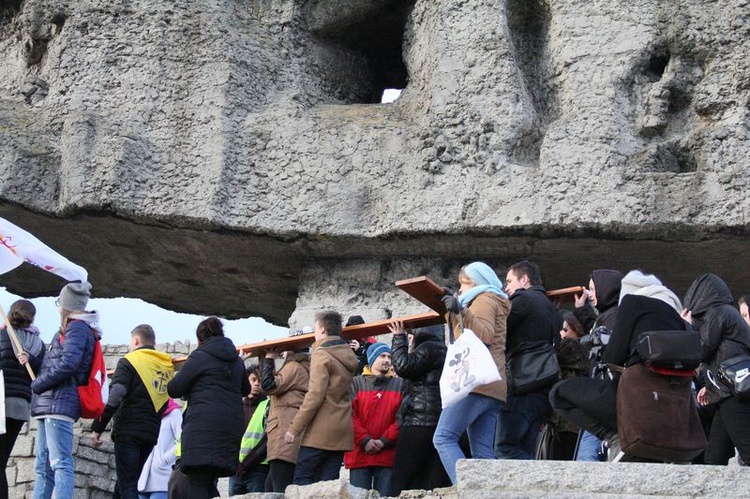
(484, 307)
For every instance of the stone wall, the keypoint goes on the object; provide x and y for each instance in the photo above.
(94, 467)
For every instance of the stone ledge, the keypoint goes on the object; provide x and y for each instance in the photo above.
(479, 479)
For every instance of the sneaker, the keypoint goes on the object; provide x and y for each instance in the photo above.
(614, 453)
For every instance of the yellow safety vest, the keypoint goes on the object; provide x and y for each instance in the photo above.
(255, 431)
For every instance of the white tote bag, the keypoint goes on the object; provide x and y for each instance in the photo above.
(468, 364)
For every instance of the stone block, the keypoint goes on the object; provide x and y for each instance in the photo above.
(25, 472)
(86, 467)
(333, 489)
(17, 492)
(10, 473)
(93, 454)
(488, 479)
(24, 446)
(104, 482)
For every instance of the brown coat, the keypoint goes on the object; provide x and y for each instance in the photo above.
(325, 417)
(486, 316)
(291, 385)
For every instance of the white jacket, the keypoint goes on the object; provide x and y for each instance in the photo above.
(158, 466)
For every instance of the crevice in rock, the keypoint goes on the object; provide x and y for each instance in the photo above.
(528, 23)
(373, 40)
(9, 8)
(59, 21)
(671, 157)
(656, 66)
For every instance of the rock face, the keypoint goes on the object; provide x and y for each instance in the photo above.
(214, 155)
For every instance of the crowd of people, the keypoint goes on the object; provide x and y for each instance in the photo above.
(369, 406)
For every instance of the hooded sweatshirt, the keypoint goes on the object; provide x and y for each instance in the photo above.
(607, 285)
(158, 466)
(213, 382)
(724, 334)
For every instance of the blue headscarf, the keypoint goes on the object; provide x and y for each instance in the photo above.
(485, 280)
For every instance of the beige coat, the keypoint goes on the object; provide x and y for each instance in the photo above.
(291, 385)
(486, 316)
(325, 417)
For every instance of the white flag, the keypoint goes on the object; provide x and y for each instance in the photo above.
(18, 246)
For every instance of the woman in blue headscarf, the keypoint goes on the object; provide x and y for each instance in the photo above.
(484, 307)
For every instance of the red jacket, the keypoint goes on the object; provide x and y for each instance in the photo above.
(375, 402)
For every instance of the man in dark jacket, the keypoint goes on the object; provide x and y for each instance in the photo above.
(55, 402)
(532, 319)
(137, 398)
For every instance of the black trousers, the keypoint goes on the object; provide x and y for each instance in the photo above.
(730, 429)
(7, 441)
(588, 403)
(130, 456)
(417, 465)
(281, 475)
(195, 485)
(317, 465)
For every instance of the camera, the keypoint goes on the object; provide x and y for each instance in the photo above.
(598, 337)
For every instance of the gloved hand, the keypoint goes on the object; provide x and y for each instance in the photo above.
(451, 303)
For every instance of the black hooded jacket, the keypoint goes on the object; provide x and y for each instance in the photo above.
(421, 369)
(213, 381)
(607, 284)
(724, 334)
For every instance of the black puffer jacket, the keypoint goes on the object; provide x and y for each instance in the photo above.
(724, 334)
(16, 377)
(421, 368)
(213, 381)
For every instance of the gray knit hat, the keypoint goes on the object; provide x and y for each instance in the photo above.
(74, 296)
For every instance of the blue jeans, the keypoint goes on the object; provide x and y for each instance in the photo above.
(130, 456)
(152, 495)
(519, 424)
(476, 414)
(317, 465)
(372, 477)
(54, 459)
(253, 481)
(588, 448)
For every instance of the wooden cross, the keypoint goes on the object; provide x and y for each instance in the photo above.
(422, 288)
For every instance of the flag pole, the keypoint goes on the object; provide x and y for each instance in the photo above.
(14, 339)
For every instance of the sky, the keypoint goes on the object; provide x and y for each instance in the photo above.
(118, 316)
